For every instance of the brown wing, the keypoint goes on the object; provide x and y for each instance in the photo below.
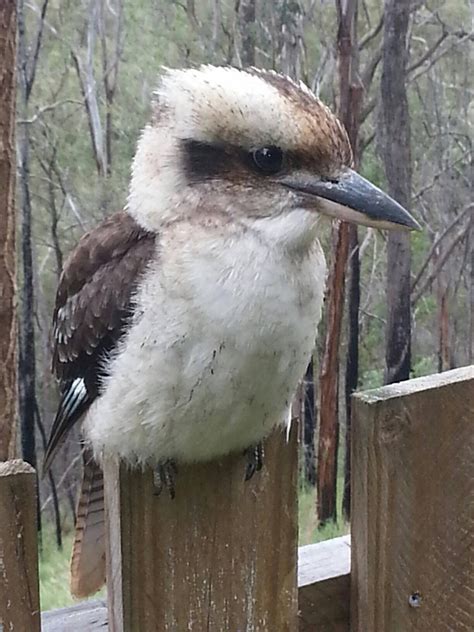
(93, 306)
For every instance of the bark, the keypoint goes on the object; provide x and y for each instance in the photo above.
(110, 66)
(309, 426)
(442, 295)
(292, 46)
(397, 162)
(329, 379)
(352, 360)
(470, 237)
(52, 483)
(8, 324)
(27, 368)
(350, 93)
(248, 28)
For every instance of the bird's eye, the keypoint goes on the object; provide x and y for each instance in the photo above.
(267, 159)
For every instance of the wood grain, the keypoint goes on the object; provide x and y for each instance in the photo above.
(220, 556)
(324, 586)
(19, 590)
(323, 594)
(8, 324)
(88, 616)
(412, 518)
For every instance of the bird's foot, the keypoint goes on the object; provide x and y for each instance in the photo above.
(254, 456)
(165, 476)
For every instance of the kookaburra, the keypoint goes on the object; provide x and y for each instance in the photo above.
(183, 324)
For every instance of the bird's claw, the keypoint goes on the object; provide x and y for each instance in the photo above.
(164, 475)
(254, 460)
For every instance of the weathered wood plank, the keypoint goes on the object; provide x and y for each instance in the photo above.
(19, 589)
(412, 519)
(323, 594)
(324, 586)
(220, 556)
(89, 616)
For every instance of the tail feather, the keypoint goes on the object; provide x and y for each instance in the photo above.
(88, 552)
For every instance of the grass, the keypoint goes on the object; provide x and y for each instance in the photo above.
(54, 570)
(309, 532)
(54, 563)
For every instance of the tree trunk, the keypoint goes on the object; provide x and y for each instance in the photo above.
(397, 161)
(350, 92)
(329, 381)
(291, 45)
(352, 360)
(309, 426)
(247, 32)
(27, 369)
(8, 324)
(442, 295)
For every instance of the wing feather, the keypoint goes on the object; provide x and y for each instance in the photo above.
(94, 303)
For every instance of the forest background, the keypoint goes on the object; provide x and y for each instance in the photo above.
(398, 72)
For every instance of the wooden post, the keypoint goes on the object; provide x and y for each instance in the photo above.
(412, 519)
(19, 589)
(220, 556)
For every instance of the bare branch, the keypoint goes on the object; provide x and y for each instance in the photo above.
(437, 241)
(47, 108)
(437, 175)
(440, 263)
(30, 79)
(370, 68)
(419, 62)
(443, 52)
(371, 34)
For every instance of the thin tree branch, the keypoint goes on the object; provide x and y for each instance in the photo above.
(440, 263)
(30, 75)
(437, 241)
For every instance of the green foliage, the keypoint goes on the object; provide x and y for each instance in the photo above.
(308, 531)
(54, 570)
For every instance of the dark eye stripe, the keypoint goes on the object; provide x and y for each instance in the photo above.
(204, 161)
(209, 161)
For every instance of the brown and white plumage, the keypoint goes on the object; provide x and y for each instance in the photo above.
(93, 305)
(88, 550)
(183, 326)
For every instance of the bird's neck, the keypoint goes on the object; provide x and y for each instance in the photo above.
(293, 232)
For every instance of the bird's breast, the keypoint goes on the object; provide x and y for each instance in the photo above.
(212, 363)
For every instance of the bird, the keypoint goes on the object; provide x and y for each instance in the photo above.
(184, 322)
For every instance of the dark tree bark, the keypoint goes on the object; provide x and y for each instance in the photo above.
(350, 92)
(352, 360)
(247, 31)
(291, 45)
(27, 367)
(329, 381)
(110, 66)
(8, 324)
(397, 161)
(309, 426)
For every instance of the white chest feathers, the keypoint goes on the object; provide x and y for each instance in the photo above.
(224, 328)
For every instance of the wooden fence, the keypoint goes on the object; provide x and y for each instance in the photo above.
(223, 555)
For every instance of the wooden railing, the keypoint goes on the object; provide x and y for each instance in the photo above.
(222, 556)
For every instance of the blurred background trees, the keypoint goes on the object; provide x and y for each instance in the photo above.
(400, 75)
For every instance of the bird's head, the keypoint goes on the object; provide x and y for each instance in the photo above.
(253, 144)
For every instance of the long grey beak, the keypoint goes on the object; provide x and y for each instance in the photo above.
(354, 199)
